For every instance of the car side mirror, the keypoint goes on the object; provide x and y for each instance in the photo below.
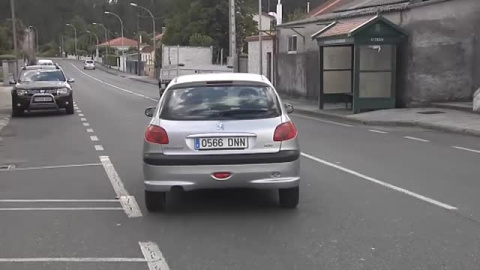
(289, 108)
(71, 80)
(150, 111)
(12, 82)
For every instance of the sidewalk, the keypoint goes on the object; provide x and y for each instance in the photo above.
(144, 79)
(432, 118)
(5, 106)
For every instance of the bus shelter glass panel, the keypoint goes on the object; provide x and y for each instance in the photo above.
(376, 71)
(337, 70)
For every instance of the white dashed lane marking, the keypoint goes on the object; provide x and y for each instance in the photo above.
(89, 130)
(83, 119)
(467, 149)
(94, 138)
(416, 139)
(99, 148)
(81, 114)
(377, 131)
(86, 124)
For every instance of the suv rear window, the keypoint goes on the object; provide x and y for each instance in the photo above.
(89, 62)
(220, 103)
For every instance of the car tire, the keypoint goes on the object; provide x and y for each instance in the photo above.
(16, 112)
(69, 108)
(289, 197)
(155, 201)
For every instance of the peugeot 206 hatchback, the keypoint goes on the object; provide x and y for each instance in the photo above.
(220, 131)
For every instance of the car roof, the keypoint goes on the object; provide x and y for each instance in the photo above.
(36, 67)
(220, 77)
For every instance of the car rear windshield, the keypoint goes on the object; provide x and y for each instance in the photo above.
(42, 76)
(89, 62)
(220, 103)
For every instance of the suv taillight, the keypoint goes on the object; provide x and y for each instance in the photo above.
(285, 132)
(156, 134)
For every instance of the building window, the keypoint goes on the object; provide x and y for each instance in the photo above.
(292, 44)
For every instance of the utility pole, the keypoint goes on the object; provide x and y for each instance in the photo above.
(233, 36)
(260, 39)
(138, 46)
(15, 48)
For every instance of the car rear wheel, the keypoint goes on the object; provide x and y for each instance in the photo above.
(289, 197)
(155, 201)
(69, 108)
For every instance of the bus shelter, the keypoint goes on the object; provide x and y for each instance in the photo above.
(358, 63)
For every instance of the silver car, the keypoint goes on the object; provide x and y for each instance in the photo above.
(89, 64)
(220, 131)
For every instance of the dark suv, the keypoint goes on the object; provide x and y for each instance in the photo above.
(42, 88)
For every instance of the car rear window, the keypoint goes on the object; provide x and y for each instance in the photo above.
(89, 62)
(220, 103)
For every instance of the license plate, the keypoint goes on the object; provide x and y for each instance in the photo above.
(43, 99)
(221, 143)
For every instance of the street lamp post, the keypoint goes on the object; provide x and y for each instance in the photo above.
(75, 31)
(154, 32)
(96, 48)
(121, 26)
(106, 40)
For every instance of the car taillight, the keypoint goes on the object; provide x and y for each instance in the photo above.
(285, 132)
(156, 134)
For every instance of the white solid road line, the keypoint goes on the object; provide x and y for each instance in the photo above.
(467, 149)
(90, 130)
(324, 121)
(81, 260)
(128, 202)
(416, 139)
(114, 86)
(99, 148)
(94, 138)
(387, 185)
(153, 256)
(377, 131)
(52, 167)
(63, 209)
(58, 201)
(86, 124)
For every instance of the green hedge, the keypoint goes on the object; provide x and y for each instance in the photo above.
(7, 57)
(110, 61)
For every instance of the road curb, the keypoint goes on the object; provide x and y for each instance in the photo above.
(143, 81)
(342, 118)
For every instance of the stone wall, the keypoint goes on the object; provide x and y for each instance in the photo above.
(442, 52)
(292, 74)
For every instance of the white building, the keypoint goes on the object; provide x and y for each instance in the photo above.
(268, 45)
(267, 21)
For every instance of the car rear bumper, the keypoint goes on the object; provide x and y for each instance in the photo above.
(250, 175)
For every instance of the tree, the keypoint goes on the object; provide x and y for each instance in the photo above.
(199, 40)
(297, 14)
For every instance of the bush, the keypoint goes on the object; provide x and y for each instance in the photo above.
(7, 57)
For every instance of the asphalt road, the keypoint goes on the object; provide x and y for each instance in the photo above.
(371, 198)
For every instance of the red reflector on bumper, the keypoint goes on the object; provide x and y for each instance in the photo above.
(222, 175)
